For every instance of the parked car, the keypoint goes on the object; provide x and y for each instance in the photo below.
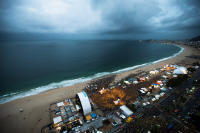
(196, 82)
(114, 124)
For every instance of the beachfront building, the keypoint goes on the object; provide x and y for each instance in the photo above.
(84, 102)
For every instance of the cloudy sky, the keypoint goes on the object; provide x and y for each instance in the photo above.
(138, 18)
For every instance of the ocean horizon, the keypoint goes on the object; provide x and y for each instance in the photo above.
(32, 67)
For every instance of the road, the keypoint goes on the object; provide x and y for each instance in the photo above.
(171, 95)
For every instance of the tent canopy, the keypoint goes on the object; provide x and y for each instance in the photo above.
(163, 89)
(94, 115)
(57, 119)
(180, 70)
(60, 104)
(126, 110)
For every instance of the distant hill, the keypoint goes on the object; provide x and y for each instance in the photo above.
(195, 39)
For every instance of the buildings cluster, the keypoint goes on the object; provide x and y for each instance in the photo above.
(84, 114)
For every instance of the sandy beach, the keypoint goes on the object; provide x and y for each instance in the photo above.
(35, 113)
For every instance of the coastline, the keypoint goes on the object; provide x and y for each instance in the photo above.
(69, 82)
(36, 115)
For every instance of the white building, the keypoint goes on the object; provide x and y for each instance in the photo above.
(126, 110)
(57, 119)
(85, 102)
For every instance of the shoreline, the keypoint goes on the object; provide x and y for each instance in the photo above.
(35, 113)
(70, 82)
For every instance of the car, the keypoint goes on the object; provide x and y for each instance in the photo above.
(196, 82)
(147, 102)
(170, 88)
(162, 94)
(123, 116)
(118, 113)
(144, 104)
(58, 113)
(114, 123)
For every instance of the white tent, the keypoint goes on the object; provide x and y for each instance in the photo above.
(142, 91)
(144, 104)
(60, 104)
(180, 70)
(157, 96)
(163, 89)
(154, 72)
(85, 103)
(126, 82)
(57, 119)
(77, 108)
(164, 76)
(162, 94)
(135, 82)
(153, 99)
(147, 102)
(116, 102)
(196, 67)
(126, 110)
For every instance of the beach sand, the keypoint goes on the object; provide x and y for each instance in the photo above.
(35, 113)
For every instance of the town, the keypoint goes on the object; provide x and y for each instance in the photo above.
(193, 42)
(161, 100)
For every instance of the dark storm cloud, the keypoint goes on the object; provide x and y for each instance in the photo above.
(147, 17)
(190, 17)
(127, 17)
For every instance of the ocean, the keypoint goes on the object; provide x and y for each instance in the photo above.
(32, 67)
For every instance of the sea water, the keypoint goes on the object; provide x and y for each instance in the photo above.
(32, 67)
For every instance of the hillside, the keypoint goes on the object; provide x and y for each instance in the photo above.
(195, 39)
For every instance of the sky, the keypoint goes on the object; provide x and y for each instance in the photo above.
(142, 19)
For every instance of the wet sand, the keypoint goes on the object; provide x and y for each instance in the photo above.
(35, 113)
